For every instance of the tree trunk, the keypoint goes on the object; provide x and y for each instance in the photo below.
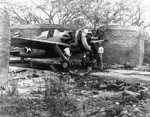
(4, 47)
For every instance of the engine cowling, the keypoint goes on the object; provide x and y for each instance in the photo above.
(82, 39)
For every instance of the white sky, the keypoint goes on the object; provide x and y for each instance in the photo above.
(146, 5)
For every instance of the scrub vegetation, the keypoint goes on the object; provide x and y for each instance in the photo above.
(39, 93)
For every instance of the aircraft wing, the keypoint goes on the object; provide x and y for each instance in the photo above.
(35, 43)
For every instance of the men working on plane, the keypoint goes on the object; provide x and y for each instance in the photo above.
(100, 56)
(94, 47)
(67, 52)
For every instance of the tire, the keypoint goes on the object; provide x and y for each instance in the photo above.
(65, 65)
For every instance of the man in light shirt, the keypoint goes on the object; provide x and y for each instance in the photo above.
(100, 52)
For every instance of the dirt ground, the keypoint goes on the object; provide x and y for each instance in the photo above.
(43, 91)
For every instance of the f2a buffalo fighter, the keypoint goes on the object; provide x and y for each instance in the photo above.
(51, 44)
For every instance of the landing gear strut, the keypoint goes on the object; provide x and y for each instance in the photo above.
(83, 62)
(22, 59)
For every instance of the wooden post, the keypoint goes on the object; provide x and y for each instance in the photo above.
(4, 47)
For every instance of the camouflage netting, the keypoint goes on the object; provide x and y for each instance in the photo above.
(125, 44)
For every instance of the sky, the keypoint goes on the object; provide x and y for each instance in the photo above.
(146, 5)
(146, 2)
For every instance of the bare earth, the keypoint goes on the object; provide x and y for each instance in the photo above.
(111, 93)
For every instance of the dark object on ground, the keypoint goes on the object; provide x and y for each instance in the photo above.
(35, 75)
(19, 71)
(53, 68)
(128, 66)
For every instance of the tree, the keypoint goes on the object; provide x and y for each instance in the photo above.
(92, 13)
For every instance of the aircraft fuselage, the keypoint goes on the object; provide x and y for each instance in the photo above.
(38, 53)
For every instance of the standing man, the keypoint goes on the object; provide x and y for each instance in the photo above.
(100, 56)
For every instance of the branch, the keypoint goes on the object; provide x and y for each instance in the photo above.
(40, 8)
(13, 10)
(147, 26)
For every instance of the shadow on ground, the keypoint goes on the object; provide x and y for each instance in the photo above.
(35, 65)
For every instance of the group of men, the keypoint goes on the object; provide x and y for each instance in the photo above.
(94, 56)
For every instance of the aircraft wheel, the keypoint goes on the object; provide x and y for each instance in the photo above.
(65, 65)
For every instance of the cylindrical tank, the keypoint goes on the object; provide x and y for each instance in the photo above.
(125, 44)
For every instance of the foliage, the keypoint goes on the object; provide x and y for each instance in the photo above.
(77, 12)
(62, 95)
(53, 103)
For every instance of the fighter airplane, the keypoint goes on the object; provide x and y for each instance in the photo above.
(52, 44)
